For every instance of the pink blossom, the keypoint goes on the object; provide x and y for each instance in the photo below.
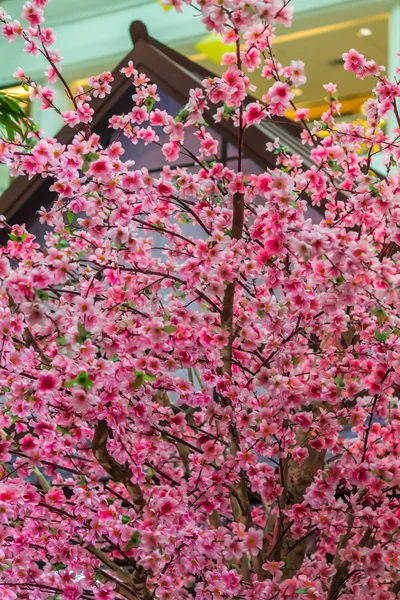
(297, 75)
(31, 47)
(106, 592)
(7, 593)
(70, 117)
(254, 113)
(200, 363)
(48, 381)
(171, 151)
(84, 112)
(361, 475)
(253, 540)
(330, 88)
(19, 74)
(32, 13)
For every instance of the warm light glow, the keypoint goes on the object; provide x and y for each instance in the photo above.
(78, 82)
(364, 32)
(350, 106)
(315, 31)
(297, 92)
(16, 92)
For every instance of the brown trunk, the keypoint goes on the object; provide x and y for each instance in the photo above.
(297, 479)
(123, 474)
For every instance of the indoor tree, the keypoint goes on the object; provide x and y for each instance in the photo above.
(182, 358)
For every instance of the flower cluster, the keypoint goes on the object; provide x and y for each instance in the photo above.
(199, 384)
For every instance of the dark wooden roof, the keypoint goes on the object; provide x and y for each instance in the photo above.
(176, 75)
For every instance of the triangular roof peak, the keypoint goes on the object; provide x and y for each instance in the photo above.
(176, 75)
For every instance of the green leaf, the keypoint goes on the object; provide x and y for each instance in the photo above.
(295, 361)
(340, 384)
(82, 379)
(88, 159)
(17, 238)
(125, 519)
(302, 591)
(134, 542)
(149, 103)
(281, 149)
(85, 381)
(61, 340)
(261, 313)
(334, 166)
(139, 380)
(170, 328)
(70, 216)
(228, 112)
(5, 566)
(83, 334)
(148, 377)
(381, 336)
(182, 114)
(380, 315)
(62, 429)
(293, 204)
(13, 107)
(59, 566)
(141, 377)
(62, 244)
(71, 383)
(42, 295)
(7, 123)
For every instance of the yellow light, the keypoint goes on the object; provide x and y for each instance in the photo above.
(78, 82)
(213, 47)
(314, 31)
(364, 32)
(16, 91)
(197, 57)
(297, 92)
(350, 106)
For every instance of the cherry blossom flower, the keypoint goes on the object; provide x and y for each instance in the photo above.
(199, 372)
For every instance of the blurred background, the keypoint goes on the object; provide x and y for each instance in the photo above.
(93, 36)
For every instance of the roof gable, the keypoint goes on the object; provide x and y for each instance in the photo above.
(174, 74)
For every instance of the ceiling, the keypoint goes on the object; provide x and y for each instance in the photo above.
(90, 40)
(321, 49)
